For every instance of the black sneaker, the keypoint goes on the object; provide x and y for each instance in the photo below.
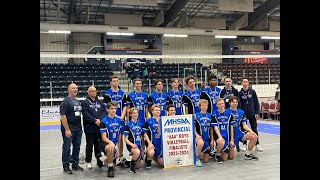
(218, 159)
(238, 148)
(212, 152)
(76, 168)
(250, 157)
(99, 163)
(67, 170)
(110, 172)
(148, 164)
(132, 169)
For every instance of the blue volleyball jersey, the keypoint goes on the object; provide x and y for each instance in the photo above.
(224, 122)
(161, 100)
(134, 131)
(119, 97)
(239, 117)
(203, 124)
(112, 127)
(175, 98)
(140, 101)
(152, 128)
(212, 95)
(191, 100)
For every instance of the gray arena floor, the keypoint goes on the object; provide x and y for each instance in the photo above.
(267, 168)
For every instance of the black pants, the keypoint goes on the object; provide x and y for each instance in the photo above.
(92, 140)
(253, 124)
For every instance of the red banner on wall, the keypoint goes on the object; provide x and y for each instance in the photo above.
(256, 60)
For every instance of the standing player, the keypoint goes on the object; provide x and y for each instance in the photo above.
(250, 105)
(117, 95)
(191, 97)
(139, 100)
(134, 139)
(175, 96)
(223, 132)
(240, 123)
(228, 91)
(202, 121)
(152, 135)
(211, 93)
(109, 129)
(159, 97)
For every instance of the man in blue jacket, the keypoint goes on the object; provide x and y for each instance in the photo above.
(93, 111)
(251, 107)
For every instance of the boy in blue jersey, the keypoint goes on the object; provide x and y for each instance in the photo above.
(204, 134)
(175, 96)
(211, 93)
(109, 129)
(191, 97)
(159, 97)
(117, 95)
(152, 135)
(240, 124)
(139, 100)
(223, 132)
(134, 139)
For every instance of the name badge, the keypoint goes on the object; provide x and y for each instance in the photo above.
(77, 113)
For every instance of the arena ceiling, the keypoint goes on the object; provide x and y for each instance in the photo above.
(93, 11)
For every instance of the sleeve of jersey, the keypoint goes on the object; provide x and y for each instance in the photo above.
(103, 127)
(213, 121)
(149, 100)
(145, 127)
(232, 121)
(124, 100)
(185, 100)
(169, 100)
(129, 101)
(126, 130)
(243, 119)
(106, 98)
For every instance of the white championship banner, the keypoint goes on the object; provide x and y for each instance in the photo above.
(178, 140)
(49, 114)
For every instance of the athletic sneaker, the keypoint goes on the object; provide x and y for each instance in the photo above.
(67, 170)
(148, 164)
(89, 165)
(99, 163)
(132, 169)
(244, 147)
(110, 172)
(218, 159)
(250, 157)
(119, 160)
(76, 168)
(259, 148)
(213, 152)
(238, 148)
(198, 163)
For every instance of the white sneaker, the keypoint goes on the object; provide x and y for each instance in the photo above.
(119, 160)
(259, 148)
(102, 158)
(89, 165)
(244, 147)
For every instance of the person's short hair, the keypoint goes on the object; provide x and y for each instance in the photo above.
(174, 79)
(188, 79)
(219, 99)
(137, 79)
(112, 103)
(203, 101)
(212, 77)
(231, 98)
(169, 106)
(155, 106)
(224, 79)
(244, 79)
(156, 81)
(132, 109)
(113, 77)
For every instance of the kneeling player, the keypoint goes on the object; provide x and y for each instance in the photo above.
(240, 124)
